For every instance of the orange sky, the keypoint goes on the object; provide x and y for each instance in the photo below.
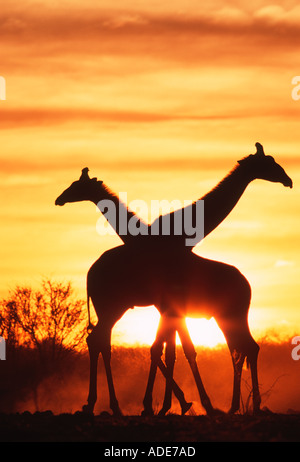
(158, 99)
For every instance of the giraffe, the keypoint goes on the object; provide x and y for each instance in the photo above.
(93, 190)
(258, 166)
(248, 169)
(197, 278)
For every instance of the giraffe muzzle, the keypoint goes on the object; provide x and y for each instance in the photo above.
(59, 201)
(288, 183)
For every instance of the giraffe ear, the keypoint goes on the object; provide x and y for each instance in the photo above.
(84, 174)
(259, 150)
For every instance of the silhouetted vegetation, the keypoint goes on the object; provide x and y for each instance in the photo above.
(62, 393)
(47, 370)
(44, 330)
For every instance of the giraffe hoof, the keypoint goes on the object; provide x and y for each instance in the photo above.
(263, 411)
(186, 407)
(117, 413)
(232, 411)
(218, 412)
(147, 413)
(86, 409)
(162, 412)
(215, 412)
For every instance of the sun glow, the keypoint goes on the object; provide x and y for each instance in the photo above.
(139, 326)
(136, 327)
(205, 332)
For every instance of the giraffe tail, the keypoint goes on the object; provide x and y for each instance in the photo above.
(90, 326)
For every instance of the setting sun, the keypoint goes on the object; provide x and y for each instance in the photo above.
(140, 326)
(205, 332)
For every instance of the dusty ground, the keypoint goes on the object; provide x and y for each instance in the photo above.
(45, 426)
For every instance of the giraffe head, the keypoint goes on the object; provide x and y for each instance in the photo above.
(80, 190)
(264, 167)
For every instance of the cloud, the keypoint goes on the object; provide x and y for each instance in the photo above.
(281, 263)
(274, 15)
(31, 171)
(56, 116)
(123, 20)
(167, 33)
(72, 18)
(26, 117)
(232, 16)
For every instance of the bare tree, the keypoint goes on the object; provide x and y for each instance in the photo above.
(43, 330)
(50, 319)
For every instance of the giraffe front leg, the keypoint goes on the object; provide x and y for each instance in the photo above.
(94, 351)
(252, 359)
(237, 360)
(114, 405)
(170, 362)
(191, 355)
(185, 405)
(166, 327)
(156, 352)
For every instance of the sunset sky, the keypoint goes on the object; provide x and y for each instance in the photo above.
(159, 100)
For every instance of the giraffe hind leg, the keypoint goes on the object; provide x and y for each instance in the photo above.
(114, 405)
(156, 361)
(190, 353)
(252, 357)
(98, 342)
(242, 345)
(238, 358)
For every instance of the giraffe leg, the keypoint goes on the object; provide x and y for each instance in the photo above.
(156, 361)
(94, 350)
(156, 353)
(99, 342)
(241, 345)
(171, 385)
(190, 353)
(252, 359)
(235, 341)
(185, 405)
(238, 358)
(170, 362)
(114, 405)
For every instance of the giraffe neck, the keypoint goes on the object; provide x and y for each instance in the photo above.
(100, 192)
(114, 210)
(220, 201)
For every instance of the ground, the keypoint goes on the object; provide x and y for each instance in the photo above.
(78, 427)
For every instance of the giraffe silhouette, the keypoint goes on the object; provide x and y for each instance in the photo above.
(227, 193)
